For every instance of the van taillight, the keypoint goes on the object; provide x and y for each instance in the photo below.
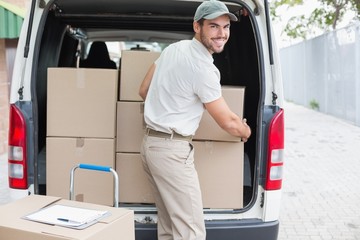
(275, 160)
(17, 149)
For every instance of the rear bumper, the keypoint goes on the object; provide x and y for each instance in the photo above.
(227, 230)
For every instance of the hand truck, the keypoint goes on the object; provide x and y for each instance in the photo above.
(96, 168)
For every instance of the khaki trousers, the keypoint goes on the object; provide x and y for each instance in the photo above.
(169, 165)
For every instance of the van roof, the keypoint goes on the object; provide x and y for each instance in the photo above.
(184, 8)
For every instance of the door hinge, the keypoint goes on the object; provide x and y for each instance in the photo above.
(274, 98)
(20, 92)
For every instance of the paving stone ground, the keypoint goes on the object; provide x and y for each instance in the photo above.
(4, 190)
(321, 192)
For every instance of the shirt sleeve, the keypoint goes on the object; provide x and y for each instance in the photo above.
(207, 86)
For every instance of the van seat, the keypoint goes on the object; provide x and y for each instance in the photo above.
(98, 57)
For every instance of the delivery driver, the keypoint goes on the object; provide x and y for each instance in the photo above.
(176, 89)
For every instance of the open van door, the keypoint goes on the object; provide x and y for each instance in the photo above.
(22, 167)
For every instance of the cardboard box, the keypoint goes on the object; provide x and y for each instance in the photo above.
(209, 129)
(14, 227)
(220, 169)
(130, 126)
(134, 66)
(62, 154)
(134, 186)
(81, 102)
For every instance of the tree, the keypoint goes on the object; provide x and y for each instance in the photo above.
(323, 18)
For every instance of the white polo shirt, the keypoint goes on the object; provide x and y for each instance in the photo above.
(184, 78)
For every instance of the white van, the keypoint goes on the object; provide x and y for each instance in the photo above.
(58, 34)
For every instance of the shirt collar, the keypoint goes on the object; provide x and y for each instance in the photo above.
(202, 49)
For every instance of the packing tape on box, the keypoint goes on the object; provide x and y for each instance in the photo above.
(80, 142)
(80, 78)
(209, 146)
(79, 150)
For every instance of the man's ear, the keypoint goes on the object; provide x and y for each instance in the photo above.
(196, 27)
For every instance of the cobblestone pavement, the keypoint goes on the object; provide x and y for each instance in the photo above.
(321, 199)
(4, 190)
(321, 195)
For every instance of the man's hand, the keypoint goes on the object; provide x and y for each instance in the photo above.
(248, 130)
(228, 120)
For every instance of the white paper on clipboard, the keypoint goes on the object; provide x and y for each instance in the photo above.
(66, 216)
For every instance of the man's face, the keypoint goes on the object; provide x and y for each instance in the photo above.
(214, 33)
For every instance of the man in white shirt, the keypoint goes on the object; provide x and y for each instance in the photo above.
(176, 89)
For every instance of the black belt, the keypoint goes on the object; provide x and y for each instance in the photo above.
(174, 135)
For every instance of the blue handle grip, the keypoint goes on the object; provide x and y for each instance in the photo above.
(94, 167)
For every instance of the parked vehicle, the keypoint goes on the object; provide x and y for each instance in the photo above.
(58, 33)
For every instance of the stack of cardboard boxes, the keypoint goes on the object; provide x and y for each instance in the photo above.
(133, 184)
(88, 123)
(81, 127)
(219, 157)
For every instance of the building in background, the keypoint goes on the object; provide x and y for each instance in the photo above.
(12, 13)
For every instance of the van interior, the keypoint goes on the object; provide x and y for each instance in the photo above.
(73, 34)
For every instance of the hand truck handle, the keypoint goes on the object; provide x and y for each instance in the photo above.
(96, 168)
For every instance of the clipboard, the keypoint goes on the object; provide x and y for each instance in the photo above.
(67, 216)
